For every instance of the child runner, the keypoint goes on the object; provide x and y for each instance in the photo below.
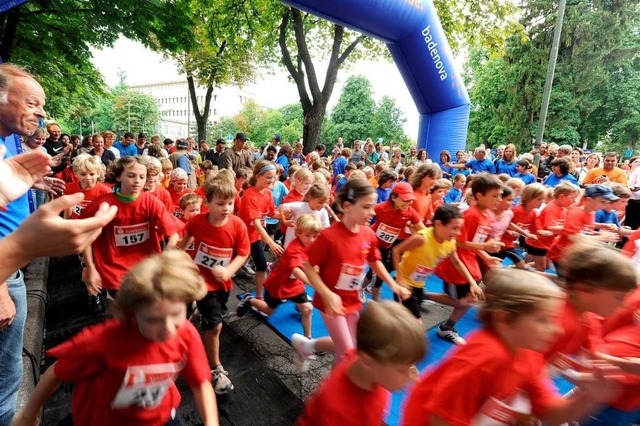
(474, 242)
(190, 204)
(287, 279)
(524, 215)
(438, 191)
(357, 391)
(124, 369)
(550, 223)
(278, 192)
(257, 204)
(341, 254)
(394, 219)
(314, 201)
(87, 169)
(178, 188)
(386, 179)
(416, 258)
(454, 196)
(130, 237)
(221, 246)
(154, 179)
(422, 181)
(517, 186)
(303, 179)
(167, 168)
(580, 220)
(500, 371)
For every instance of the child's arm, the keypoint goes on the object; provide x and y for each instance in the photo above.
(382, 273)
(410, 243)
(332, 214)
(184, 242)
(299, 274)
(206, 402)
(30, 414)
(224, 273)
(172, 241)
(490, 245)
(476, 291)
(513, 227)
(90, 275)
(333, 302)
(275, 248)
(286, 216)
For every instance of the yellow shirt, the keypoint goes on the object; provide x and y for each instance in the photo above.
(418, 264)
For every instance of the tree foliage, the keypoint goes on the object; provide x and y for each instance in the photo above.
(353, 114)
(593, 97)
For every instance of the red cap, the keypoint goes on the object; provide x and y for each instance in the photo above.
(404, 191)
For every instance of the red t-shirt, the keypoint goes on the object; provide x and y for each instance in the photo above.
(475, 229)
(163, 195)
(551, 215)
(578, 221)
(121, 378)
(391, 224)
(129, 237)
(256, 205)
(422, 204)
(217, 245)
(67, 175)
(281, 283)
(523, 219)
(338, 401)
(199, 191)
(473, 382)
(342, 256)
(175, 200)
(628, 314)
(625, 342)
(630, 248)
(578, 333)
(89, 196)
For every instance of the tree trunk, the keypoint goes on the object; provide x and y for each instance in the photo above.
(312, 126)
(201, 118)
(9, 34)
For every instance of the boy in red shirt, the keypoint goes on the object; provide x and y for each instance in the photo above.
(287, 279)
(580, 220)
(87, 170)
(220, 247)
(178, 188)
(124, 369)
(153, 185)
(550, 222)
(357, 391)
(190, 204)
(473, 242)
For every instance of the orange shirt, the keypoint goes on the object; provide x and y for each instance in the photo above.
(614, 175)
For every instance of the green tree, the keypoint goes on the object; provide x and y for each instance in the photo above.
(353, 114)
(135, 112)
(388, 122)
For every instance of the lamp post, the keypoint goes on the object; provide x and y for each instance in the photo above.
(129, 115)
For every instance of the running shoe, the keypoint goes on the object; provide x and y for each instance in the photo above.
(451, 336)
(244, 305)
(221, 382)
(300, 358)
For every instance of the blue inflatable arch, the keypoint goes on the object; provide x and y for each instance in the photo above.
(413, 33)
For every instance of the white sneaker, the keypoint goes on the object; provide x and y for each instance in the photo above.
(301, 357)
(451, 336)
(221, 383)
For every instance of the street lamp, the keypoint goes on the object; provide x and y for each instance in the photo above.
(129, 115)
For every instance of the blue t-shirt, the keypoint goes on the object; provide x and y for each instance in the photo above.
(18, 210)
(478, 166)
(279, 191)
(453, 196)
(552, 180)
(284, 162)
(183, 163)
(527, 178)
(383, 194)
(340, 183)
(444, 169)
(504, 167)
(338, 166)
(603, 216)
(126, 150)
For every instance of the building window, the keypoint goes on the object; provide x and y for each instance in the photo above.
(215, 111)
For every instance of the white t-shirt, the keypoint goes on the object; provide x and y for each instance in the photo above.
(298, 209)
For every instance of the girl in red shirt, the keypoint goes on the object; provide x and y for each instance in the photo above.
(257, 204)
(422, 181)
(524, 214)
(140, 225)
(124, 369)
(178, 188)
(501, 370)
(154, 178)
(87, 170)
(341, 253)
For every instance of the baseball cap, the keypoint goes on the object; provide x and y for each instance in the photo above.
(404, 191)
(601, 191)
(277, 137)
(241, 136)
(182, 143)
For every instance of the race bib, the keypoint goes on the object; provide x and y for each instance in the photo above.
(191, 246)
(131, 235)
(177, 212)
(495, 412)
(210, 256)
(421, 274)
(387, 233)
(145, 385)
(482, 233)
(77, 210)
(351, 277)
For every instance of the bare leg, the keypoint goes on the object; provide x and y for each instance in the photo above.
(259, 279)
(212, 345)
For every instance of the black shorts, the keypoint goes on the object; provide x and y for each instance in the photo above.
(414, 301)
(456, 291)
(257, 254)
(273, 302)
(511, 254)
(535, 251)
(212, 307)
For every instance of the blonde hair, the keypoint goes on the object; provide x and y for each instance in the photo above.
(166, 164)
(317, 191)
(565, 188)
(321, 174)
(303, 175)
(308, 223)
(189, 199)
(87, 162)
(40, 132)
(171, 275)
(531, 192)
(515, 183)
(516, 293)
(357, 174)
(389, 334)
(368, 172)
(441, 184)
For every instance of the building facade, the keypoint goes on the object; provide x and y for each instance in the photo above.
(176, 108)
